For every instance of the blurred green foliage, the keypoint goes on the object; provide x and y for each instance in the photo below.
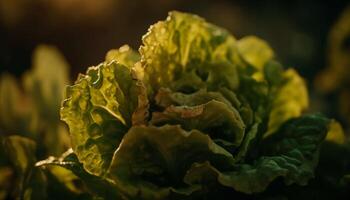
(334, 81)
(31, 129)
(31, 109)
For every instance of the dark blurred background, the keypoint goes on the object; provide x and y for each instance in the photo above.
(85, 30)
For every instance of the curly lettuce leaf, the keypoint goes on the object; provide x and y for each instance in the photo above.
(254, 51)
(124, 55)
(291, 153)
(165, 98)
(223, 115)
(187, 109)
(254, 96)
(151, 161)
(185, 53)
(99, 109)
(226, 127)
(289, 101)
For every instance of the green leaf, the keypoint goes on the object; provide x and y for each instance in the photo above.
(336, 133)
(254, 95)
(46, 82)
(165, 98)
(6, 178)
(151, 161)
(290, 100)
(273, 73)
(248, 142)
(34, 111)
(12, 105)
(176, 104)
(291, 153)
(21, 151)
(227, 127)
(124, 55)
(66, 178)
(185, 53)
(99, 186)
(99, 109)
(30, 183)
(254, 51)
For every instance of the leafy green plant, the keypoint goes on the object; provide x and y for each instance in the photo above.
(196, 113)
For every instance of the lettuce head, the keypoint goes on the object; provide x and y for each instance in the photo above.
(193, 113)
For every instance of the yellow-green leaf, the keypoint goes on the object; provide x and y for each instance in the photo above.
(290, 101)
